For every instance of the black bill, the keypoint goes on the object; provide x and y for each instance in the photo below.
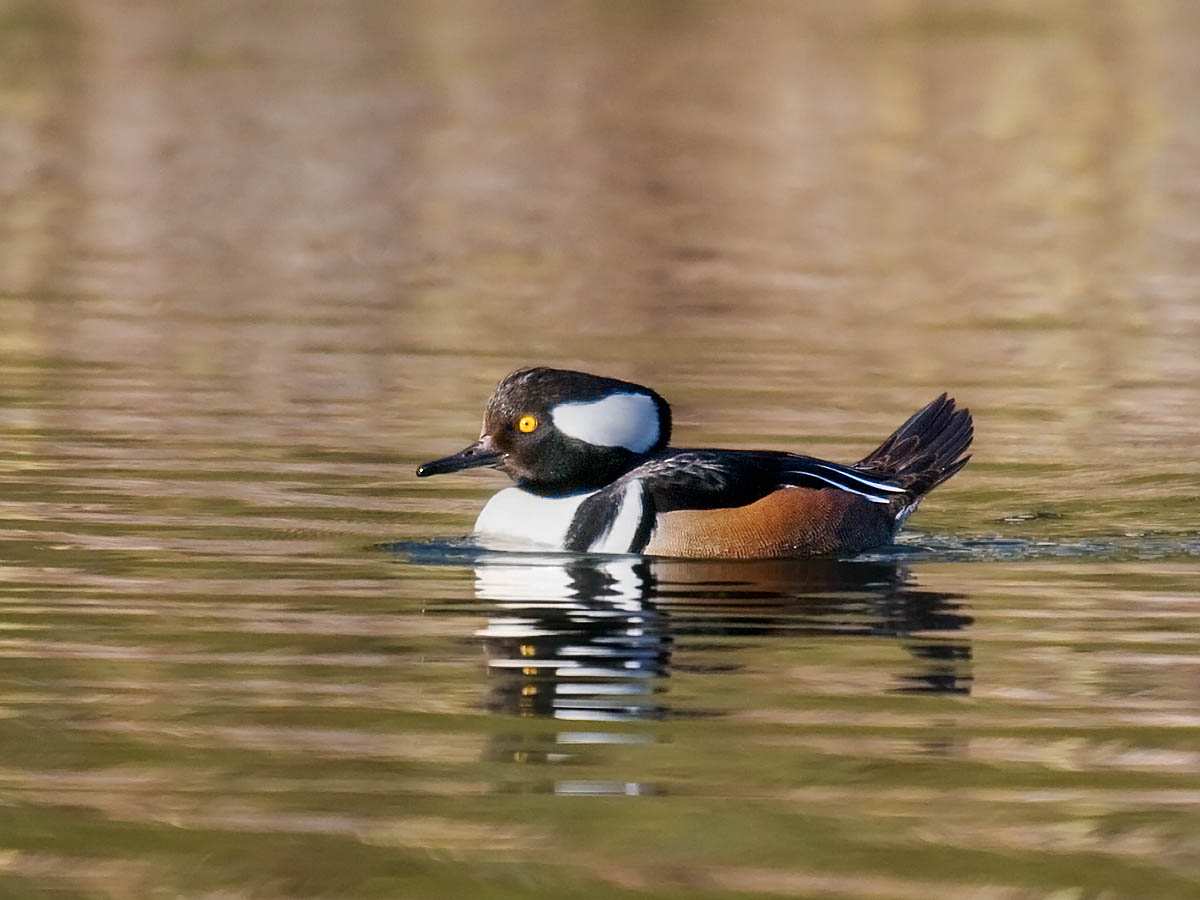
(478, 454)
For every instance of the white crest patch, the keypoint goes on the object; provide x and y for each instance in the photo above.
(618, 420)
(525, 517)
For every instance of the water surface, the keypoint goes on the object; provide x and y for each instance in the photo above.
(257, 261)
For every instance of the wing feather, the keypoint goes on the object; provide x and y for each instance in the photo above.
(709, 479)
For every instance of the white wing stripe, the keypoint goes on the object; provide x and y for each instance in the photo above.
(870, 482)
(872, 497)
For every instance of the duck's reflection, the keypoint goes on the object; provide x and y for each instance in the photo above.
(581, 640)
(591, 638)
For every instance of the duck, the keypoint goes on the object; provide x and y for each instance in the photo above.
(593, 472)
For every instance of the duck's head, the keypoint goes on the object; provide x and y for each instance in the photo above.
(557, 432)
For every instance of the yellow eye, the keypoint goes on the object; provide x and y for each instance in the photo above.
(526, 424)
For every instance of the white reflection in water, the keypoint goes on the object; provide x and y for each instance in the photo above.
(582, 641)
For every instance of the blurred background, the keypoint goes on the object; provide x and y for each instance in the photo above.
(259, 259)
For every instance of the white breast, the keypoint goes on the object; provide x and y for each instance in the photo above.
(524, 517)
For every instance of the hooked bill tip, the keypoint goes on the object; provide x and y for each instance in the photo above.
(472, 457)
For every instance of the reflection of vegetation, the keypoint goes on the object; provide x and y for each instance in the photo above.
(949, 21)
(38, 59)
(38, 43)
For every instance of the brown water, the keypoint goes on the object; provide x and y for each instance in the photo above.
(257, 260)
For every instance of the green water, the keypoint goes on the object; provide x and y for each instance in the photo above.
(257, 261)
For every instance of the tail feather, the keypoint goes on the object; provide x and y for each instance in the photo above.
(924, 451)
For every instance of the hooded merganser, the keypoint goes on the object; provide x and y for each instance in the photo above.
(594, 473)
